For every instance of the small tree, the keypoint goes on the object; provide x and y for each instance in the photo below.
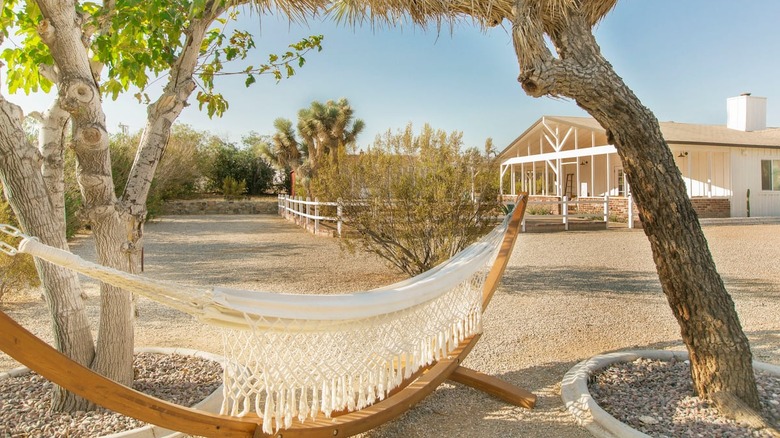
(415, 200)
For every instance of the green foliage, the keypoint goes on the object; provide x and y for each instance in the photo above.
(177, 173)
(415, 200)
(73, 202)
(232, 189)
(142, 41)
(538, 211)
(223, 159)
(17, 272)
(22, 65)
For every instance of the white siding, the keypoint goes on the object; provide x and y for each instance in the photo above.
(746, 165)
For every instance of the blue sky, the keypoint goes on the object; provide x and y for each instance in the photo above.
(683, 58)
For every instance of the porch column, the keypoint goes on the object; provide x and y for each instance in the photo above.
(523, 182)
(609, 171)
(512, 180)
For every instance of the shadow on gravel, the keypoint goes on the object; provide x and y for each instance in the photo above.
(454, 409)
(578, 280)
(575, 279)
(754, 288)
(764, 344)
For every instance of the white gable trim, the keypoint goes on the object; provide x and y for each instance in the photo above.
(576, 153)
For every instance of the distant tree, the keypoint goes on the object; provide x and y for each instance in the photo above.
(325, 130)
(282, 151)
(416, 200)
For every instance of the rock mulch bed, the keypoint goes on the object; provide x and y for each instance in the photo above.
(657, 398)
(25, 405)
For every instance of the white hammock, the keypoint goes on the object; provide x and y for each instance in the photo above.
(295, 355)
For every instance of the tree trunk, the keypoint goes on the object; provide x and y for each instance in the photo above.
(719, 350)
(20, 171)
(79, 95)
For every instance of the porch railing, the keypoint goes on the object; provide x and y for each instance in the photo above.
(566, 212)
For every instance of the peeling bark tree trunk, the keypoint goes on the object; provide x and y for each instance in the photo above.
(117, 226)
(719, 350)
(79, 95)
(20, 171)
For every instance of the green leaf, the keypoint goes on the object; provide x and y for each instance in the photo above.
(250, 80)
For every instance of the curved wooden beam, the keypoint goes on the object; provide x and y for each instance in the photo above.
(39, 356)
(507, 246)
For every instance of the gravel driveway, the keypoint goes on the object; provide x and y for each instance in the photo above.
(564, 297)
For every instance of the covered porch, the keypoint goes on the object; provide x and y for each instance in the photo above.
(570, 157)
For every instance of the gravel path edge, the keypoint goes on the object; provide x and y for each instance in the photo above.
(588, 414)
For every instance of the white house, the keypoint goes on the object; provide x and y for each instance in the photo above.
(721, 165)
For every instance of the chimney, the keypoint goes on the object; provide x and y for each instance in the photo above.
(746, 113)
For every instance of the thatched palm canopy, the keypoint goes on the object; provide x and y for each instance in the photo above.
(488, 12)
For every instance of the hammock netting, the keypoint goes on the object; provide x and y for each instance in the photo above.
(294, 356)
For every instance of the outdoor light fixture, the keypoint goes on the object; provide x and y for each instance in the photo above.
(682, 155)
(582, 163)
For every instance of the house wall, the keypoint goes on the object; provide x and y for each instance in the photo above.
(746, 171)
(706, 171)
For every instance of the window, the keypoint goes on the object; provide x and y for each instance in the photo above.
(770, 175)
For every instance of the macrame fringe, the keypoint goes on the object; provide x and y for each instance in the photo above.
(280, 405)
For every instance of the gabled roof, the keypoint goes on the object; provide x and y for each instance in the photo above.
(680, 133)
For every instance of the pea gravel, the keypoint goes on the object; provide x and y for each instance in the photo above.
(565, 297)
(25, 403)
(657, 398)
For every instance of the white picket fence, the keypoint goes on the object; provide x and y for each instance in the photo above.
(306, 213)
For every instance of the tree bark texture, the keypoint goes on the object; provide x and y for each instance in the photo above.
(25, 188)
(79, 95)
(117, 225)
(719, 350)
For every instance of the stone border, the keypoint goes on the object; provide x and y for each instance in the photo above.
(588, 414)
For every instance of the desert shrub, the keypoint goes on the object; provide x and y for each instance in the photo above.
(415, 200)
(17, 272)
(223, 159)
(232, 189)
(538, 211)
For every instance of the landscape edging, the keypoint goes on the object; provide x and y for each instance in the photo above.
(588, 414)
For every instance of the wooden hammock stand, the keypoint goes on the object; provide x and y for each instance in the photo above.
(40, 357)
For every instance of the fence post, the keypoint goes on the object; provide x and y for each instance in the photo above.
(565, 213)
(339, 219)
(316, 215)
(308, 213)
(606, 210)
(630, 211)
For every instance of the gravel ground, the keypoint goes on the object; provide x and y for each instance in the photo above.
(654, 397)
(565, 297)
(24, 407)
